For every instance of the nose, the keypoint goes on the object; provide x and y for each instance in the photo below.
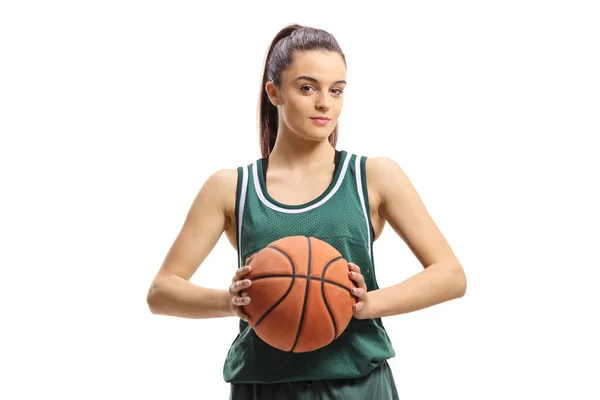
(323, 102)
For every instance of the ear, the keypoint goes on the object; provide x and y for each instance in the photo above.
(273, 93)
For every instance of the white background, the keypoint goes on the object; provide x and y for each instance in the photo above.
(113, 113)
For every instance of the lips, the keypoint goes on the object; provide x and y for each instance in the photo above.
(321, 121)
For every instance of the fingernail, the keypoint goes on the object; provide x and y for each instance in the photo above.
(352, 273)
(353, 291)
(246, 282)
(246, 300)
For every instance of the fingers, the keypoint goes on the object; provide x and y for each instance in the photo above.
(238, 283)
(361, 296)
(359, 293)
(358, 306)
(242, 300)
(236, 286)
(241, 272)
(237, 302)
(358, 279)
(239, 298)
(356, 276)
(354, 267)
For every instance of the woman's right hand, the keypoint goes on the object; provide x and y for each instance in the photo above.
(236, 294)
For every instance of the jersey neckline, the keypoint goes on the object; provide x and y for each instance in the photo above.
(334, 185)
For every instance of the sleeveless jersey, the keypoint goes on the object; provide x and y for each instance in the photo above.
(339, 216)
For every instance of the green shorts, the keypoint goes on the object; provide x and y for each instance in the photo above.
(377, 385)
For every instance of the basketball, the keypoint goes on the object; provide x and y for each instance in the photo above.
(300, 295)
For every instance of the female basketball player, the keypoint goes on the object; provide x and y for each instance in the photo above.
(304, 186)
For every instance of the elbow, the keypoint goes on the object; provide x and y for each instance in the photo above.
(461, 282)
(153, 298)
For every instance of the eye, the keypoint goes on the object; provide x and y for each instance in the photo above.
(305, 86)
(339, 91)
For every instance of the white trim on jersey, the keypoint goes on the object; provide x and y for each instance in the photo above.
(240, 216)
(274, 207)
(362, 199)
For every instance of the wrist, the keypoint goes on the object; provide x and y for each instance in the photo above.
(225, 304)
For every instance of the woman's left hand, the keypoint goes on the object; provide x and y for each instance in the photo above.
(359, 291)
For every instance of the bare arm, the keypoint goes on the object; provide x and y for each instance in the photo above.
(443, 278)
(211, 213)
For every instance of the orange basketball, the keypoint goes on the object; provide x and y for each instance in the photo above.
(300, 294)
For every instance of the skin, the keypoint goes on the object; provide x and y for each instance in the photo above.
(300, 169)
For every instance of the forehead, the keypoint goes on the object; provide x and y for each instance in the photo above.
(322, 65)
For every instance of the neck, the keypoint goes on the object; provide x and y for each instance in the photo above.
(300, 154)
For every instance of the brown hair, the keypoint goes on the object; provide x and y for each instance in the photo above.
(290, 39)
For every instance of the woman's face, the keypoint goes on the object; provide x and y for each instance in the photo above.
(311, 87)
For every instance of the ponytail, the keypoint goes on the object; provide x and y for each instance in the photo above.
(279, 56)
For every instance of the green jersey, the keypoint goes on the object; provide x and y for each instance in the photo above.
(339, 216)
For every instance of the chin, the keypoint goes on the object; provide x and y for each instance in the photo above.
(318, 136)
(318, 133)
(312, 133)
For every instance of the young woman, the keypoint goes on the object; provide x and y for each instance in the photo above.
(302, 185)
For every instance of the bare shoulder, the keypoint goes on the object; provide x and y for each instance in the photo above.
(209, 215)
(381, 166)
(401, 206)
(220, 187)
(384, 176)
(222, 181)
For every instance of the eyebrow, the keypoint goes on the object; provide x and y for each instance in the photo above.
(308, 78)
